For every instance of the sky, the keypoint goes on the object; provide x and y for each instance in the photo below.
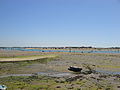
(49, 23)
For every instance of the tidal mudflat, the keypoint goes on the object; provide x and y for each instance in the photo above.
(42, 74)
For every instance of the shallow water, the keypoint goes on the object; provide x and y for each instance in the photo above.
(51, 74)
(15, 75)
(108, 72)
(57, 74)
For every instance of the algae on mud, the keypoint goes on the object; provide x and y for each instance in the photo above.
(49, 83)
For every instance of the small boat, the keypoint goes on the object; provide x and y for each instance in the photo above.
(75, 69)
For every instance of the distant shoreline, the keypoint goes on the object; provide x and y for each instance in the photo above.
(68, 48)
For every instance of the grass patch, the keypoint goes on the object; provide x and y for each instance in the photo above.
(11, 67)
(24, 56)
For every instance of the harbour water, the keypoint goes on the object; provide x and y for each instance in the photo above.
(75, 51)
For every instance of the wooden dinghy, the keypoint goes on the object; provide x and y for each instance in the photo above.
(75, 69)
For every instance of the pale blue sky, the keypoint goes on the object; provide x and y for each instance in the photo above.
(60, 23)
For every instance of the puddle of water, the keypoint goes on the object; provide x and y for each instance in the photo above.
(62, 74)
(16, 75)
(56, 74)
